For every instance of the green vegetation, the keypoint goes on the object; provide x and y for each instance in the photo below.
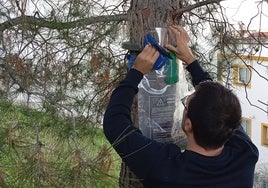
(38, 149)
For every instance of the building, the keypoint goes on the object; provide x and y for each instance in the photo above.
(249, 80)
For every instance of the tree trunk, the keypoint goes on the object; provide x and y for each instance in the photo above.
(144, 17)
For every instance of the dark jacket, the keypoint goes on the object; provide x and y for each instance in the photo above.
(165, 165)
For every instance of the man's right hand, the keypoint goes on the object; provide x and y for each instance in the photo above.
(146, 59)
(182, 50)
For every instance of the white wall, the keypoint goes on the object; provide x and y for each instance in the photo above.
(258, 91)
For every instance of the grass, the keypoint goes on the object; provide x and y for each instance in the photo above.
(38, 149)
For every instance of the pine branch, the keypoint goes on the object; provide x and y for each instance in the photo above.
(51, 24)
(197, 5)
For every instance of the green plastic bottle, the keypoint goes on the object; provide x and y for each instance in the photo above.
(172, 70)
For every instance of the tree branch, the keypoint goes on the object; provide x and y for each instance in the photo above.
(194, 6)
(51, 24)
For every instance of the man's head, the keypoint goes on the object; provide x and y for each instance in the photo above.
(213, 112)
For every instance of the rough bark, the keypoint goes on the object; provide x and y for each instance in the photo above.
(144, 16)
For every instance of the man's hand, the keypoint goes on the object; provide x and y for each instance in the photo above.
(146, 59)
(182, 50)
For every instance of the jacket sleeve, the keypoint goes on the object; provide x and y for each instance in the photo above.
(139, 152)
(197, 73)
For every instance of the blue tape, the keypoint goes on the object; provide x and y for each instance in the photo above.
(161, 60)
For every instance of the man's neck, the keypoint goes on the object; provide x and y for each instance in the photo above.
(205, 152)
(193, 146)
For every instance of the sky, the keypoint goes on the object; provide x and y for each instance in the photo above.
(244, 10)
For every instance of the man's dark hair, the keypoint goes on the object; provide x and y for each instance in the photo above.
(215, 112)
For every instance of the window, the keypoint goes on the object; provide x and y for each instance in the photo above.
(242, 75)
(264, 134)
(246, 124)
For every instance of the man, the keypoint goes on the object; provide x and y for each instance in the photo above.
(218, 154)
